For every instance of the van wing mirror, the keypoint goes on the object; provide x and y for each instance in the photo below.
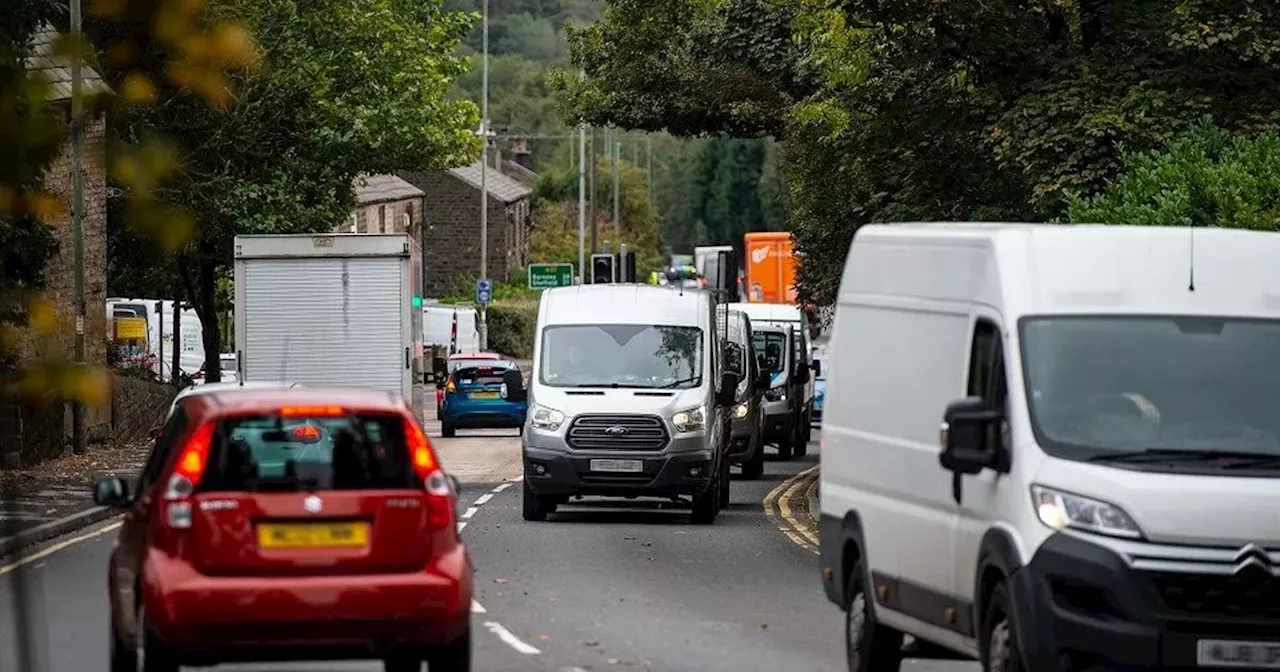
(802, 373)
(763, 381)
(817, 368)
(972, 436)
(728, 393)
(439, 370)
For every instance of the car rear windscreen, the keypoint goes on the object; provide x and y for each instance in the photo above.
(480, 375)
(271, 453)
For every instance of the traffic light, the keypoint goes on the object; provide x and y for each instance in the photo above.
(627, 267)
(602, 270)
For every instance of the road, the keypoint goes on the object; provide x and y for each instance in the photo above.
(593, 588)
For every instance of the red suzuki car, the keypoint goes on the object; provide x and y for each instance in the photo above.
(289, 524)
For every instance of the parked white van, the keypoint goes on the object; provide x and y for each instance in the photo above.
(1105, 484)
(628, 398)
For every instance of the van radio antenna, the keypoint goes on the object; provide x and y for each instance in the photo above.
(1191, 262)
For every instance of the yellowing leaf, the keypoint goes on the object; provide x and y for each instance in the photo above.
(138, 89)
(107, 8)
(44, 207)
(233, 45)
(43, 317)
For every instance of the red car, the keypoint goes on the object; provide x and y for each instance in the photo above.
(289, 524)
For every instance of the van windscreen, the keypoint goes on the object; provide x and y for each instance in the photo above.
(270, 453)
(622, 355)
(772, 349)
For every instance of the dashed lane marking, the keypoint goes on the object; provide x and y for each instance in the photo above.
(777, 507)
(511, 640)
(471, 511)
(476, 608)
(480, 501)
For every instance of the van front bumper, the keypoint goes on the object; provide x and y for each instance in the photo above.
(1078, 604)
(663, 474)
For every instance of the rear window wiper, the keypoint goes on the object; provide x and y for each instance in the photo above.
(1241, 459)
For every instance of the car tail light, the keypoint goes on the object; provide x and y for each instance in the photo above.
(450, 386)
(427, 468)
(191, 466)
(313, 411)
(306, 434)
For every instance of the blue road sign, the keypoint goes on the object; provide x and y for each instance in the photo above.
(484, 291)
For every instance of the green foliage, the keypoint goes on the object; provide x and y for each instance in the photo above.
(1205, 178)
(349, 87)
(512, 327)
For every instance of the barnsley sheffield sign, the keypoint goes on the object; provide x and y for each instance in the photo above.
(548, 276)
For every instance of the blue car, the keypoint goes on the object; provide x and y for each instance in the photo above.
(476, 397)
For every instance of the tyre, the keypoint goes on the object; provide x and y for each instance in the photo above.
(404, 663)
(448, 431)
(753, 468)
(706, 506)
(808, 425)
(999, 646)
(785, 445)
(122, 657)
(869, 646)
(452, 657)
(151, 654)
(724, 484)
(534, 507)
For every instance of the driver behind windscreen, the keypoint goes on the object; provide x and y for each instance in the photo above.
(1079, 403)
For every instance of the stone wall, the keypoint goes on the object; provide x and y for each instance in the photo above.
(386, 217)
(139, 405)
(451, 234)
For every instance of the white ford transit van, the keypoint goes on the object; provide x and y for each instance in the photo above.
(628, 398)
(1056, 447)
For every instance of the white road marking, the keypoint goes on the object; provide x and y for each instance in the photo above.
(480, 501)
(511, 640)
(462, 526)
(470, 512)
(20, 562)
(476, 608)
(500, 488)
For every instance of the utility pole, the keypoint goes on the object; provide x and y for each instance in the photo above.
(648, 165)
(483, 326)
(615, 150)
(582, 203)
(591, 189)
(79, 439)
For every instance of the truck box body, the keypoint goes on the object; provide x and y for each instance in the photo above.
(330, 309)
(770, 267)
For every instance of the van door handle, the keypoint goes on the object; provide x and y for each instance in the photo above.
(406, 358)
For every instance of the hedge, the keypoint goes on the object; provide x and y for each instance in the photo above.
(511, 328)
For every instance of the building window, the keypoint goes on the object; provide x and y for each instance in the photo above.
(382, 219)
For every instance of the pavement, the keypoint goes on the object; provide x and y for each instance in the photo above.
(604, 586)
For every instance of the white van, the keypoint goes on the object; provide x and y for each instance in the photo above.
(628, 398)
(1105, 484)
(787, 315)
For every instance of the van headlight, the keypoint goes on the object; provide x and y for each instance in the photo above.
(1061, 510)
(740, 411)
(546, 419)
(692, 420)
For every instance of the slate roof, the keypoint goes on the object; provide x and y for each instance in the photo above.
(500, 186)
(372, 189)
(56, 68)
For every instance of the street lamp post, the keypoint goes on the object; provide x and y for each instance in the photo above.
(79, 439)
(483, 326)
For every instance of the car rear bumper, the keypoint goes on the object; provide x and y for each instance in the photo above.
(257, 618)
(663, 475)
(483, 420)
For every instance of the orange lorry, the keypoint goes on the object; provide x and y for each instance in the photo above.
(770, 267)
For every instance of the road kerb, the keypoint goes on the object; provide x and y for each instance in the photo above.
(41, 533)
(780, 507)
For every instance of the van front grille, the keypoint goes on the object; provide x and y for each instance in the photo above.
(1248, 596)
(617, 432)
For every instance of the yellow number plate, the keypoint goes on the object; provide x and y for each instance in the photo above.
(319, 535)
(485, 395)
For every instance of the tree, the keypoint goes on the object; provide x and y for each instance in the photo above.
(348, 87)
(926, 110)
(1204, 178)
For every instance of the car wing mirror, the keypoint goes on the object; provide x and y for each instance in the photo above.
(111, 492)
(513, 379)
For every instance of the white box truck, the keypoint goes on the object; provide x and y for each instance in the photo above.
(330, 310)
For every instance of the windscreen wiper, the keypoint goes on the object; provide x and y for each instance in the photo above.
(676, 383)
(617, 386)
(1241, 459)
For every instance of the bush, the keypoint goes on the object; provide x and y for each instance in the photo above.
(1205, 178)
(512, 327)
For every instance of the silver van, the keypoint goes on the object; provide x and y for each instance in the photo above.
(780, 350)
(627, 398)
(746, 438)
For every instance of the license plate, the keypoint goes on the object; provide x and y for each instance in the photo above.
(317, 535)
(618, 466)
(1234, 653)
(485, 395)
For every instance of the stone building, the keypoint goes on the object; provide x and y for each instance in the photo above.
(386, 204)
(451, 225)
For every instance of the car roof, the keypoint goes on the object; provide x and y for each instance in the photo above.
(251, 400)
(475, 355)
(210, 388)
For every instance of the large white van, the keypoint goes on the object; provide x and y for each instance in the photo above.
(628, 398)
(787, 315)
(1056, 447)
